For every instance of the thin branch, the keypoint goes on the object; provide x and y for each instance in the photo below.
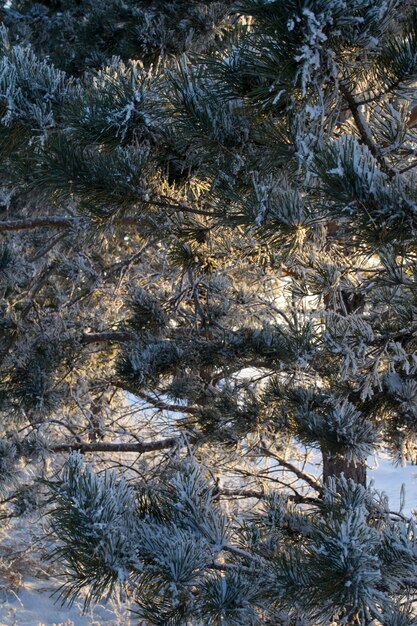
(241, 493)
(161, 405)
(408, 167)
(108, 336)
(57, 221)
(52, 221)
(47, 247)
(364, 130)
(254, 558)
(144, 446)
(261, 495)
(292, 468)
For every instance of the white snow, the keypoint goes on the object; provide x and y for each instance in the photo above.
(34, 605)
(389, 478)
(28, 582)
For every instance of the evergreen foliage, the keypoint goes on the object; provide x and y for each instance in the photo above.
(208, 267)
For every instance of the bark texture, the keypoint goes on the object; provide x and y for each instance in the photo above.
(336, 466)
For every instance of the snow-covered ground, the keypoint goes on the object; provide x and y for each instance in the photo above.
(28, 582)
(33, 606)
(390, 478)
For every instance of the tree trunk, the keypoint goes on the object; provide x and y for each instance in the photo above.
(335, 466)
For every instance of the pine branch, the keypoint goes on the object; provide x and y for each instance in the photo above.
(163, 406)
(53, 221)
(364, 131)
(48, 246)
(105, 337)
(241, 493)
(292, 468)
(254, 558)
(261, 495)
(58, 222)
(145, 446)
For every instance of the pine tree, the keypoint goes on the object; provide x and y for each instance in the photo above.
(209, 212)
